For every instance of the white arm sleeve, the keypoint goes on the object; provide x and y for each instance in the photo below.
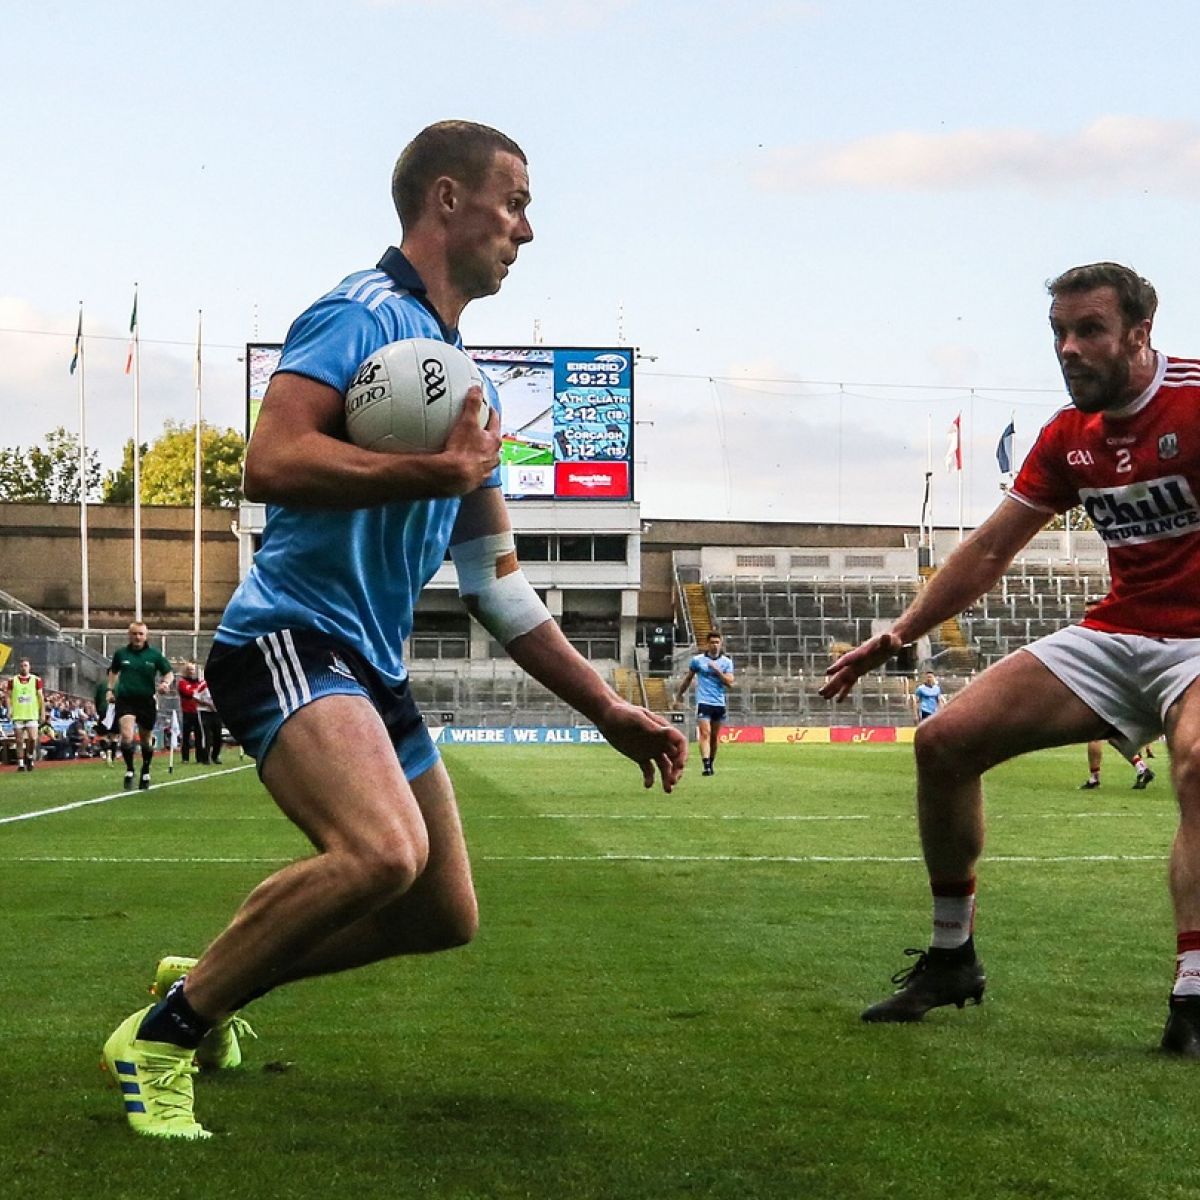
(494, 587)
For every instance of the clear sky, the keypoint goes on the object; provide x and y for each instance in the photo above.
(769, 199)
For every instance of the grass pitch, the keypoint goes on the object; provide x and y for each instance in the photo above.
(663, 1000)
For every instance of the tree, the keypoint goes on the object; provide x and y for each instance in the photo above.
(118, 484)
(49, 473)
(168, 468)
(1057, 523)
(1079, 519)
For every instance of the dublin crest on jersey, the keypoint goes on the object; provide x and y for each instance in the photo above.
(338, 666)
(1168, 445)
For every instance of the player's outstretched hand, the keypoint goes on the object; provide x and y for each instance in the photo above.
(846, 671)
(474, 451)
(650, 740)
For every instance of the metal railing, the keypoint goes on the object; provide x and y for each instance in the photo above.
(681, 604)
(64, 663)
(178, 645)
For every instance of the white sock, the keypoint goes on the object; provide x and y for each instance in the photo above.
(1187, 974)
(953, 920)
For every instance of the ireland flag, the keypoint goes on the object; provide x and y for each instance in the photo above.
(132, 333)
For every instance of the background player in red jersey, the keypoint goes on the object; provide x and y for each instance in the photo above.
(1128, 448)
(1143, 776)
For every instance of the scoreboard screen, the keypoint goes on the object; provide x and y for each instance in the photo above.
(567, 416)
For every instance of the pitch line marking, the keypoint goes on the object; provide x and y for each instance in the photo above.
(813, 858)
(748, 817)
(906, 816)
(798, 859)
(61, 808)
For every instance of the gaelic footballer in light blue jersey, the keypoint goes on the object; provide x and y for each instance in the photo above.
(306, 669)
(354, 574)
(713, 673)
(927, 697)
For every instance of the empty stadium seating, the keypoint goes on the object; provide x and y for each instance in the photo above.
(784, 633)
(493, 693)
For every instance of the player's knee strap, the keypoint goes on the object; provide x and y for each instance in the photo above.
(494, 587)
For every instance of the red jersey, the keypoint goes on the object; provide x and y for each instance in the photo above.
(187, 692)
(1137, 473)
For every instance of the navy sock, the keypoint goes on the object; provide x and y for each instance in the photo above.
(257, 994)
(127, 755)
(174, 1020)
(147, 755)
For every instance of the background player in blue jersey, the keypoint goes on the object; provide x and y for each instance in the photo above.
(927, 697)
(713, 672)
(306, 668)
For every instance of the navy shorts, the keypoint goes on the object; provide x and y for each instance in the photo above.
(258, 685)
(710, 712)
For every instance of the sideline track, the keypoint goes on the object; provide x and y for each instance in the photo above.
(61, 808)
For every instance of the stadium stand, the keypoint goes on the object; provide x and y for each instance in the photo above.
(493, 692)
(65, 663)
(784, 632)
(785, 611)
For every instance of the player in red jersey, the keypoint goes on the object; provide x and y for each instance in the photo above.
(1128, 449)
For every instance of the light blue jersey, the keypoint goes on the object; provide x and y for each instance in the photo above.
(356, 574)
(709, 687)
(928, 698)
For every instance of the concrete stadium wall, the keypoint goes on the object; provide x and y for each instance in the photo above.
(40, 562)
(39, 558)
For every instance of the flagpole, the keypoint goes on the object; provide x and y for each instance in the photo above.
(929, 476)
(963, 460)
(959, 460)
(137, 466)
(1012, 452)
(959, 463)
(960, 496)
(196, 480)
(84, 576)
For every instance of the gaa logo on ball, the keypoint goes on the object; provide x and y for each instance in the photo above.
(435, 380)
(406, 396)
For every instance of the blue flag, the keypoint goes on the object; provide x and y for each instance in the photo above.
(1004, 449)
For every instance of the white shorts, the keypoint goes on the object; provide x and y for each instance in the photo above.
(30, 726)
(1127, 680)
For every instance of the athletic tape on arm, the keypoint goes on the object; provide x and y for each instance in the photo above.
(494, 587)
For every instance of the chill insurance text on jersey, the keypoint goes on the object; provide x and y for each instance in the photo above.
(1136, 471)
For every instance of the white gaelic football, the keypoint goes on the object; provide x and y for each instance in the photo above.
(407, 395)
